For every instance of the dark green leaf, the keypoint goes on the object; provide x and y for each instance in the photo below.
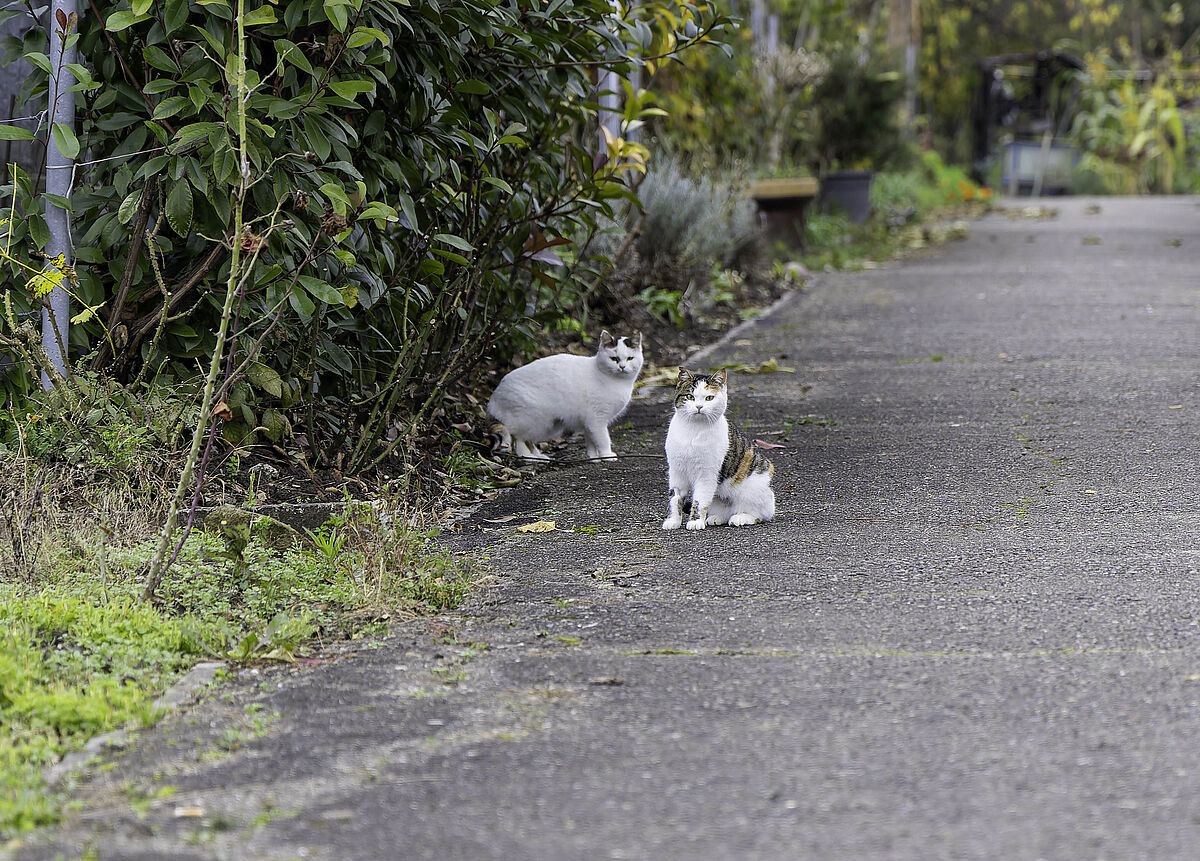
(159, 59)
(472, 86)
(265, 378)
(38, 229)
(456, 241)
(300, 302)
(225, 166)
(337, 14)
(292, 54)
(450, 255)
(119, 21)
(191, 136)
(129, 206)
(65, 140)
(262, 15)
(350, 89)
(40, 60)
(14, 133)
(498, 183)
(170, 106)
(179, 207)
(59, 201)
(175, 15)
(316, 138)
(161, 85)
(321, 290)
(410, 212)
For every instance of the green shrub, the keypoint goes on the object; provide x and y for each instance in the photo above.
(856, 107)
(408, 164)
(687, 224)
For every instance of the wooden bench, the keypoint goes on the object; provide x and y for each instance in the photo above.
(783, 207)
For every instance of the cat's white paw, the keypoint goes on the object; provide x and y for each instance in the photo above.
(743, 520)
(695, 524)
(713, 520)
(672, 523)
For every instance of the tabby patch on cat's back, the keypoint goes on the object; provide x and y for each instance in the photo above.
(565, 393)
(712, 468)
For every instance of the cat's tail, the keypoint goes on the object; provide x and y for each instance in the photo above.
(499, 437)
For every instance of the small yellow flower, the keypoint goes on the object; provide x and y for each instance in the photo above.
(32, 418)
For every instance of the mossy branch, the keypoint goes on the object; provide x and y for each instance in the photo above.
(158, 564)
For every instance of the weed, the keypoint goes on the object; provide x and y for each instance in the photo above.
(450, 675)
(328, 542)
(664, 304)
(236, 535)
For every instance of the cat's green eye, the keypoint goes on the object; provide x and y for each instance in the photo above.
(614, 358)
(711, 397)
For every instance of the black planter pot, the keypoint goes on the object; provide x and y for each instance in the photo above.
(848, 191)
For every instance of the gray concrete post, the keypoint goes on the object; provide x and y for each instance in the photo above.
(59, 175)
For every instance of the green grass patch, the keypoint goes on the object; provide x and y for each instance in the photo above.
(82, 654)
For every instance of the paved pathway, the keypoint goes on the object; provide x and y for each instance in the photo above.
(973, 632)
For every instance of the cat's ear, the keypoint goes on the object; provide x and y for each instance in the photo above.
(638, 345)
(720, 379)
(686, 376)
(606, 340)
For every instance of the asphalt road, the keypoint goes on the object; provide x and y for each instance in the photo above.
(973, 631)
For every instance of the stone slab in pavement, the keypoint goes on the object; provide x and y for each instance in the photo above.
(973, 632)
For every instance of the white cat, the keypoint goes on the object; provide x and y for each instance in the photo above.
(561, 393)
(711, 467)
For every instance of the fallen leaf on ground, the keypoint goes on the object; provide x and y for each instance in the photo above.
(770, 366)
(189, 812)
(505, 519)
(762, 443)
(539, 526)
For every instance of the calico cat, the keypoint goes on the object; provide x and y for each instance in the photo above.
(711, 466)
(561, 393)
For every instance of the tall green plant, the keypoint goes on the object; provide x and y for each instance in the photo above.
(1131, 135)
